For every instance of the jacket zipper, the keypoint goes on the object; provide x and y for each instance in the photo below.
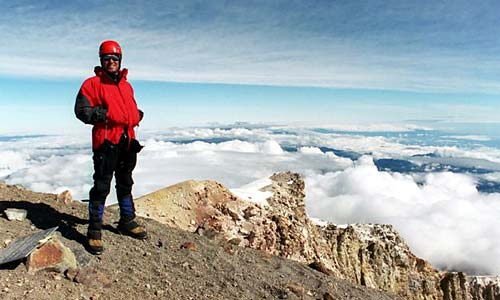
(126, 112)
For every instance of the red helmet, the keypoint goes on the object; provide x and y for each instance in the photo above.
(110, 47)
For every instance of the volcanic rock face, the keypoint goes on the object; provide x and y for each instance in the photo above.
(371, 255)
(484, 287)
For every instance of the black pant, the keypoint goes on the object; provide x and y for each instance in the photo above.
(119, 159)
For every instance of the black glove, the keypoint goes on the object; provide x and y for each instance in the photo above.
(99, 114)
(141, 115)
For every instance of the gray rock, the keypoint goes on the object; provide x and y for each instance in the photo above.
(16, 214)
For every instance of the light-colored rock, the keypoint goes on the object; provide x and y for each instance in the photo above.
(51, 255)
(296, 288)
(16, 214)
(185, 205)
(65, 197)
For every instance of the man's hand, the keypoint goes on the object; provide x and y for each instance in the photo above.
(99, 114)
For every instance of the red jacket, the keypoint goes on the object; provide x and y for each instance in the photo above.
(108, 105)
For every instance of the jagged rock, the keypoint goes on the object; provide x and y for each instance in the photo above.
(484, 287)
(91, 277)
(454, 286)
(71, 273)
(319, 266)
(82, 256)
(370, 254)
(186, 205)
(52, 255)
(7, 242)
(189, 246)
(296, 288)
(65, 197)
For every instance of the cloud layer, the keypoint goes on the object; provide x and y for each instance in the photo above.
(390, 45)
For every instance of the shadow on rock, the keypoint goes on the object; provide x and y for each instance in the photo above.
(44, 216)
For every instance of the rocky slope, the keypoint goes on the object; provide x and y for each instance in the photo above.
(370, 255)
(171, 264)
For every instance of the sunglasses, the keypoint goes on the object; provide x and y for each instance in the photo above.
(110, 57)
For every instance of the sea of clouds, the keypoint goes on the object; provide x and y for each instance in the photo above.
(441, 214)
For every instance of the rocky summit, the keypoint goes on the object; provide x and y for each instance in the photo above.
(172, 264)
(371, 255)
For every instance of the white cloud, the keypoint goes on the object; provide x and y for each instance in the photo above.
(373, 127)
(271, 147)
(495, 176)
(310, 150)
(11, 161)
(480, 138)
(58, 173)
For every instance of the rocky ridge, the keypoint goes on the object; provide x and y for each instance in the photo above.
(171, 264)
(371, 255)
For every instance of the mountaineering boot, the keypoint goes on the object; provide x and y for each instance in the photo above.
(132, 229)
(94, 241)
(127, 225)
(94, 235)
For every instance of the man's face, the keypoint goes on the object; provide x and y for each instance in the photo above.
(111, 63)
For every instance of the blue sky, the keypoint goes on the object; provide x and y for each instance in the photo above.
(259, 61)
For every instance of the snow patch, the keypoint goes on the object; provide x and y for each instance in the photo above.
(252, 192)
(319, 222)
